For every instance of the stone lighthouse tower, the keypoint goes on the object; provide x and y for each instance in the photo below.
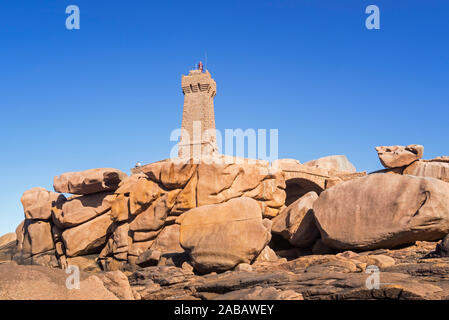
(198, 120)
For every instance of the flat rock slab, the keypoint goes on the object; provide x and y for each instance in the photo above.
(42, 283)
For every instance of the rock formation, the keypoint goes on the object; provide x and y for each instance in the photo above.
(399, 156)
(118, 220)
(279, 230)
(407, 160)
(170, 212)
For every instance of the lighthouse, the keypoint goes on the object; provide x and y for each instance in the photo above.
(198, 136)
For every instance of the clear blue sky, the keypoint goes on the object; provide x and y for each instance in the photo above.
(109, 94)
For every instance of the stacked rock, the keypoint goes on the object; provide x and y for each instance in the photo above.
(57, 228)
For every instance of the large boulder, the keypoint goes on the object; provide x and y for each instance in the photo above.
(88, 237)
(383, 211)
(296, 223)
(336, 163)
(89, 181)
(221, 236)
(399, 156)
(434, 169)
(80, 209)
(37, 203)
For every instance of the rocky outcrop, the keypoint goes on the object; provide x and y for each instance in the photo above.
(35, 241)
(133, 221)
(337, 163)
(399, 156)
(56, 228)
(89, 181)
(219, 237)
(153, 201)
(120, 218)
(170, 219)
(383, 211)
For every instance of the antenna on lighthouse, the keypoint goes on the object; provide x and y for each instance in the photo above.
(205, 56)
